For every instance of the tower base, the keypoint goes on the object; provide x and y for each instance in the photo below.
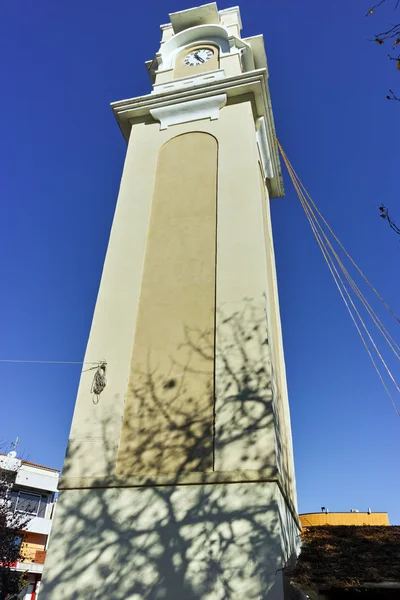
(187, 542)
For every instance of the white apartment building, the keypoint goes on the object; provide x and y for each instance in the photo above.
(34, 494)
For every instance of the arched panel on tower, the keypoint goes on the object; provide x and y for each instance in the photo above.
(168, 419)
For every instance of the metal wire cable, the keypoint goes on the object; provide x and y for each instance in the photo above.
(376, 320)
(343, 288)
(99, 380)
(330, 256)
(49, 362)
(288, 164)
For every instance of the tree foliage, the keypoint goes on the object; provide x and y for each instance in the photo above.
(347, 557)
(11, 525)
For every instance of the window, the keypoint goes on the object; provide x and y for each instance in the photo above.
(42, 507)
(13, 500)
(28, 503)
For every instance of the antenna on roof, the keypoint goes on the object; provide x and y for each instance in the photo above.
(15, 444)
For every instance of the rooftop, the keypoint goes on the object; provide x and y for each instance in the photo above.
(32, 464)
(343, 518)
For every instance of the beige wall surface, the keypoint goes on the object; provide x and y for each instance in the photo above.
(96, 427)
(278, 375)
(243, 436)
(231, 65)
(215, 542)
(168, 419)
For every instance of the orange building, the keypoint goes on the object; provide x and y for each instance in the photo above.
(352, 517)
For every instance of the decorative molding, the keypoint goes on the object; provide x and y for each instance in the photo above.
(192, 110)
(263, 146)
(234, 13)
(186, 82)
(216, 34)
(207, 14)
(183, 478)
(253, 82)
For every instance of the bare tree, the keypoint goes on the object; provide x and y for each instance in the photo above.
(390, 36)
(12, 523)
(385, 215)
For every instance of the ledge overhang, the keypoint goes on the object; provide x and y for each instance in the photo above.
(200, 15)
(267, 475)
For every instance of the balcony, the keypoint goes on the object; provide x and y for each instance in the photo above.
(33, 560)
(29, 477)
(31, 567)
(39, 525)
(33, 555)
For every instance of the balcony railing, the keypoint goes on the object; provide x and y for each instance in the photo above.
(33, 556)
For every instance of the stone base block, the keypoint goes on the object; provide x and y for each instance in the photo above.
(188, 542)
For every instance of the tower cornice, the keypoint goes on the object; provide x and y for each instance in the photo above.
(255, 83)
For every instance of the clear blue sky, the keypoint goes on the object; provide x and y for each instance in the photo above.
(61, 156)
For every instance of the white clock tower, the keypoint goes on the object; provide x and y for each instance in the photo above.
(178, 482)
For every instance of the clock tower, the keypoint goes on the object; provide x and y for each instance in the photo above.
(178, 482)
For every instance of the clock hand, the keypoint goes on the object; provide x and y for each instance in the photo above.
(198, 57)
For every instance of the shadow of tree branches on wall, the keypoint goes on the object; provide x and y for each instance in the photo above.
(170, 430)
(196, 520)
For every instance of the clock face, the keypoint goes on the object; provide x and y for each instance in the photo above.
(198, 57)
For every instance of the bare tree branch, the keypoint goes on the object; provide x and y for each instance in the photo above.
(385, 215)
(392, 95)
(371, 10)
(393, 33)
